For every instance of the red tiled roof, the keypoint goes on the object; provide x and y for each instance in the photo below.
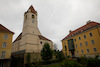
(32, 9)
(81, 29)
(18, 38)
(4, 29)
(40, 36)
(43, 38)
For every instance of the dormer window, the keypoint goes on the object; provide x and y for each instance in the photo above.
(33, 16)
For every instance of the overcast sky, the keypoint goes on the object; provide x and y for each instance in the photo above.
(55, 17)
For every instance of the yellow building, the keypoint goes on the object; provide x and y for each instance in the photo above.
(83, 41)
(5, 44)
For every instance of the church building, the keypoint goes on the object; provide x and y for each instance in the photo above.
(30, 40)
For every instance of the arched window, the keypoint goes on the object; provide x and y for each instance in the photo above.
(41, 42)
(33, 16)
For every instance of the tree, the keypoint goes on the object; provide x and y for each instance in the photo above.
(28, 59)
(59, 56)
(46, 52)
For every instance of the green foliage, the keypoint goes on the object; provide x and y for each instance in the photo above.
(28, 59)
(93, 63)
(59, 56)
(46, 52)
(67, 63)
(71, 63)
(83, 60)
(68, 56)
(96, 56)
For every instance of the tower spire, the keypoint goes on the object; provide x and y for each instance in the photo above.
(32, 9)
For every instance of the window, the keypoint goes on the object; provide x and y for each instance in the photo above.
(77, 51)
(82, 51)
(80, 44)
(86, 43)
(3, 54)
(41, 42)
(74, 39)
(87, 50)
(4, 44)
(33, 16)
(76, 45)
(92, 41)
(5, 36)
(79, 38)
(95, 50)
(91, 34)
(65, 48)
(84, 36)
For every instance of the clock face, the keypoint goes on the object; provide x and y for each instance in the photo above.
(32, 21)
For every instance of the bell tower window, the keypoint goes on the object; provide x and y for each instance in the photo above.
(33, 16)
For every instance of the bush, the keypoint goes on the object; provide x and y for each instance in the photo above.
(93, 63)
(70, 63)
(96, 56)
(83, 60)
(78, 59)
(68, 56)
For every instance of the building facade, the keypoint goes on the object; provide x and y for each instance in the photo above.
(30, 39)
(83, 41)
(5, 46)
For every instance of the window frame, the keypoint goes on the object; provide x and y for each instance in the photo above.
(80, 44)
(33, 16)
(82, 51)
(93, 42)
(41, 42)
(75, 39)
(4, 44)
(88, 50)
(84, 36)
(3, 53)
(79, 38)
(86, 43)
(77, 51)
(90, 34)
(94, 49)
(6, 36)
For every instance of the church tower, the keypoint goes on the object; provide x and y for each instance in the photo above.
(30, 39)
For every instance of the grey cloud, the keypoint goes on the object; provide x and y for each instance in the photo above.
(55, 17)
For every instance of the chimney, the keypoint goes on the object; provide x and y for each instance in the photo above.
(88, 21)
(70, 31)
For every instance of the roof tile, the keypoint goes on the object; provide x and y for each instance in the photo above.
(81, 29)
(4, 29)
